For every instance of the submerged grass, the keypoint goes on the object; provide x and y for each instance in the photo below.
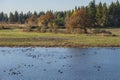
(19, 38)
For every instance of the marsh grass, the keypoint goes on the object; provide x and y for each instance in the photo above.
(19, 38)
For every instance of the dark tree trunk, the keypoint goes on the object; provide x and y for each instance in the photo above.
(85, 30)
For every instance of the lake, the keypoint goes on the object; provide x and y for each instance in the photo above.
(59, 63)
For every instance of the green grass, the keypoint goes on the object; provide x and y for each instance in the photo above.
(19, 38)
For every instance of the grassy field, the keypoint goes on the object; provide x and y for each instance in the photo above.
(19, 38)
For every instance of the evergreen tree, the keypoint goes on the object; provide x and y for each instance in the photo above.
(92, 11)
(16, 16)
(35, 13)
(5, 18)
(105, 15)
(1, 17)
(99, 14)
(41, 13)
(21, 17)
(11, 18)
(117, 14)
(114, 11)
(29, 14)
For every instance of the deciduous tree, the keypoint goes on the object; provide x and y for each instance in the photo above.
(81, 19)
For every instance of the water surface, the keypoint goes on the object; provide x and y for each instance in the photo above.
(59, 63)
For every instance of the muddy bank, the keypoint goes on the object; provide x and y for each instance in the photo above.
(64, 46)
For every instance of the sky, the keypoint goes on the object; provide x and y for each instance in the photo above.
(43, 5)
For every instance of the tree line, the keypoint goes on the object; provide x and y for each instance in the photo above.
(93, 15)
(14, 17)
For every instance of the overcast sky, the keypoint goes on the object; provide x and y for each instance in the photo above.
(43, 5)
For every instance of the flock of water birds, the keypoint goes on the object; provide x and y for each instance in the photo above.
(17, 70)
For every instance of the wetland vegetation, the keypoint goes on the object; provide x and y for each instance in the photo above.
(18, 38)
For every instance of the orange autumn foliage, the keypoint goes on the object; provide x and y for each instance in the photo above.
(79, 19)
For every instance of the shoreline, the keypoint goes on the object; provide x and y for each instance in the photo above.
(61, 46)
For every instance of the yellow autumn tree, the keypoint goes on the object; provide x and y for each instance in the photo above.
(32, 21)
(46, 19)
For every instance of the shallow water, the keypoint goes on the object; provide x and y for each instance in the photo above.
(59, 63)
